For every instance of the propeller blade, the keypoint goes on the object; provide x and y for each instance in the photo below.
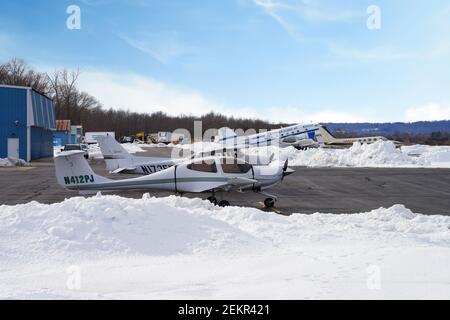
(286, 171)
(285, 165)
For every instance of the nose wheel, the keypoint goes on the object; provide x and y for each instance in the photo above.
(269, 202)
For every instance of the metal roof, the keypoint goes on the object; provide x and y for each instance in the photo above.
(62, 125)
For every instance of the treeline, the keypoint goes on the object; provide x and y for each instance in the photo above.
(420, 132)
(435, 138)
(391, 128)
(83, 109)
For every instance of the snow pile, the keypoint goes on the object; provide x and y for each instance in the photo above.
(110, 225)
(177, 247)
(378, 154)
(13, 162)
(438, 156)
(132, 147)
(173, 225)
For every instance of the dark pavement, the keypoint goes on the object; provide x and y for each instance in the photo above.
(308, 190)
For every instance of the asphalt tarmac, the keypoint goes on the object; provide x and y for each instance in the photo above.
(307, 190)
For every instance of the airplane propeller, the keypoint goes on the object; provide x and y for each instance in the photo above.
(286, 171)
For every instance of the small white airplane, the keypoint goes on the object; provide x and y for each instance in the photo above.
(119, 160)
(300, 136)
(201, 175)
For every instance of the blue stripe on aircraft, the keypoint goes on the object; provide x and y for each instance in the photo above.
(311, 134)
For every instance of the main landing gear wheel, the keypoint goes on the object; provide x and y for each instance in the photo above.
(224, 203)
(213, 200)
(269, 202)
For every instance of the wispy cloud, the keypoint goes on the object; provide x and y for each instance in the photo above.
(305, 10)
(144, 94)
(271, 8)
(428, 112)
(372, 54)
(5, 44)
(164, 47)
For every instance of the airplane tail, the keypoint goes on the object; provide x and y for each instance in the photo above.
(327, 137)
(115, 155)
(74, 172)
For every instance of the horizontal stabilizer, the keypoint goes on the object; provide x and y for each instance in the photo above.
(119, 170)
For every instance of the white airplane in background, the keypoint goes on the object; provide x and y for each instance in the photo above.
(119, 160)
(300, 136)
(201, 175)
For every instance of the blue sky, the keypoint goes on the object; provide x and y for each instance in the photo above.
(293, 61)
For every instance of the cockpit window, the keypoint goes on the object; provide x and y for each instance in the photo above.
(202, 166)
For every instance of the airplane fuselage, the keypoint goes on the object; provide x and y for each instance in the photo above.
(296, 135)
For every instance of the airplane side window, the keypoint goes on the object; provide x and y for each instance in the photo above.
(236, 167)
(231, 168)
(202, 167)
(245, 167)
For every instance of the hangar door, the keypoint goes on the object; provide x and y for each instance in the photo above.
(13, 148)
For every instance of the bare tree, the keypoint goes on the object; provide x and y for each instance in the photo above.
(16, 72)
(82, 108)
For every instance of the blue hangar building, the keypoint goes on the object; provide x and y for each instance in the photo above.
(27, 122)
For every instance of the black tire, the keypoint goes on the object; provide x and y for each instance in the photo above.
(213, 200)
(269, 202)
(224, 203)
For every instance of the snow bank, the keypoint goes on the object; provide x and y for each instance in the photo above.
(132, 147)
(11, 162)
(437, 156)
(111, 225)
(174, 225)
(182, 248)
(378, 154)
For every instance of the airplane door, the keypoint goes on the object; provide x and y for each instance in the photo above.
(13, 148)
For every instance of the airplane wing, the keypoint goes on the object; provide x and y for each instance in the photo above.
(119, 170)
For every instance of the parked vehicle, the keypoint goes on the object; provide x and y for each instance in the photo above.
(91, 137)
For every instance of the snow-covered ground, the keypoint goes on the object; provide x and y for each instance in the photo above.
(379, 154)
(115, 248)
(12, 162)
